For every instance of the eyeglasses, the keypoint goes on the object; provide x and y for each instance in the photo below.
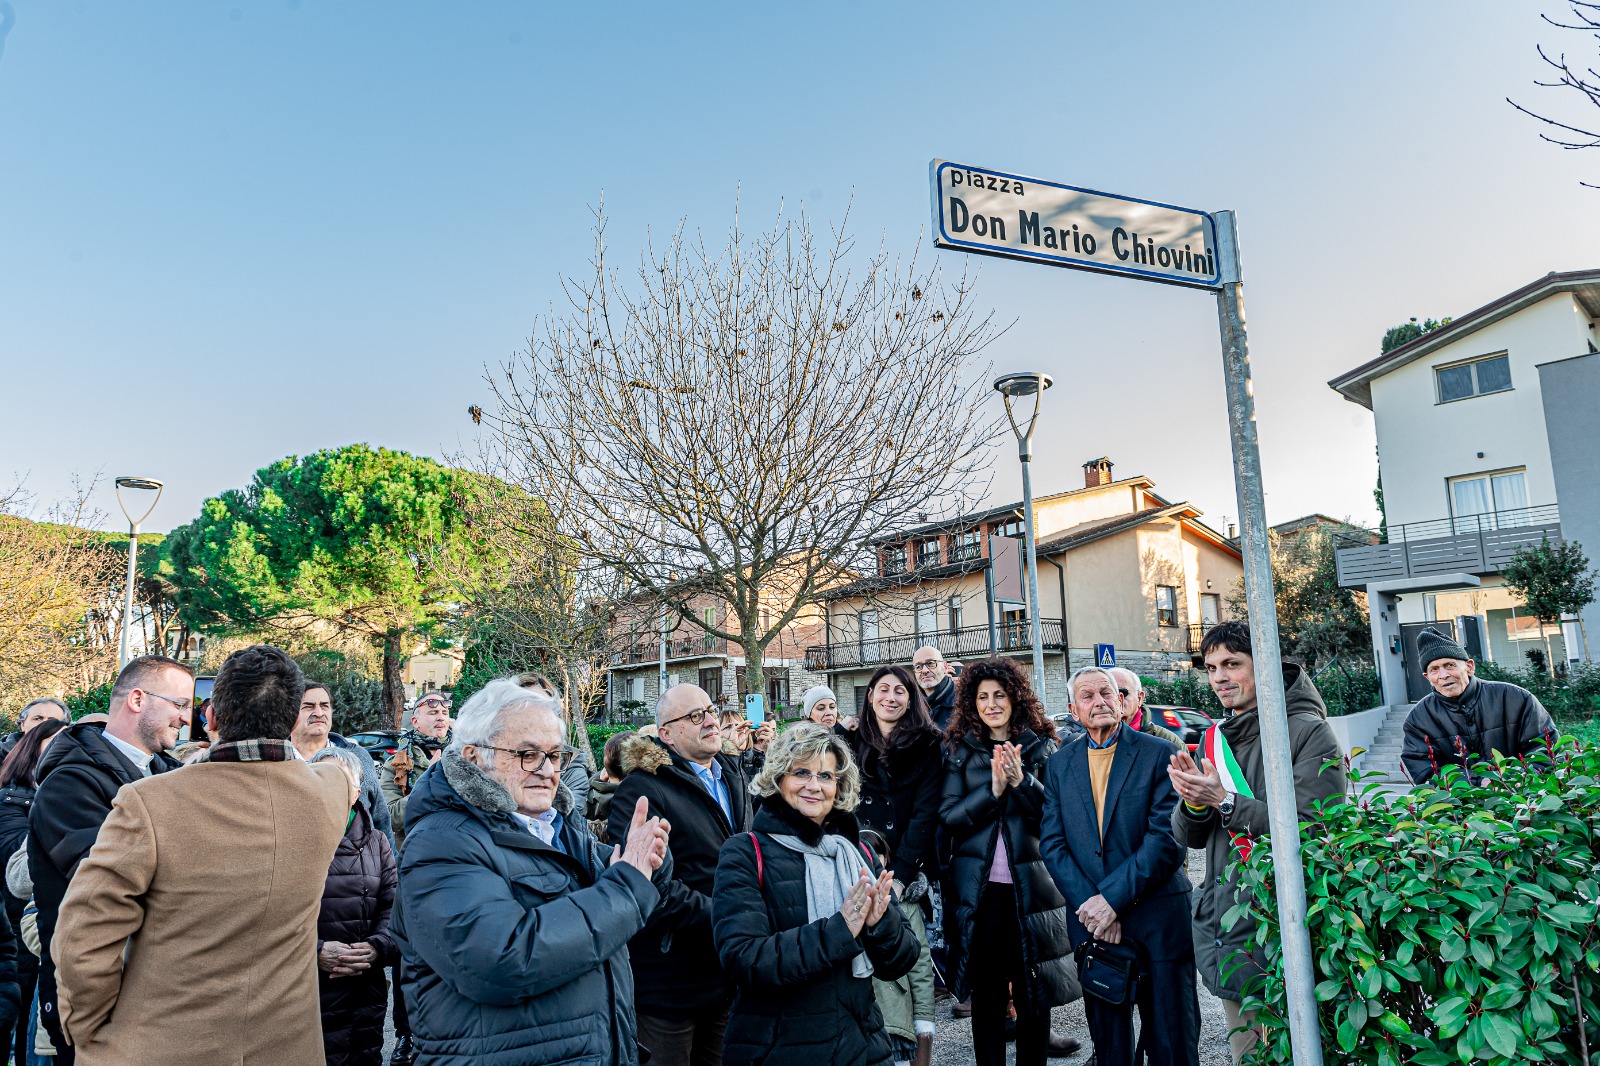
(533, 759)
(693, 717)
(182, 705)
(804, 776)
(432, 705)
(932, 664)
(1122, 692)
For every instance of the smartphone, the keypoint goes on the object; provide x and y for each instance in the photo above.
(755, 708)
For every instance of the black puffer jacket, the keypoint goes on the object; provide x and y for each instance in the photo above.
(900, 799)
(355, 910)
(796, 999)
(1489, 716)
(15, 802)
(971, 814)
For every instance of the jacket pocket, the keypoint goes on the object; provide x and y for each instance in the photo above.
(543, 884)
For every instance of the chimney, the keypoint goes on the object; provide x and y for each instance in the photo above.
(1097, 472)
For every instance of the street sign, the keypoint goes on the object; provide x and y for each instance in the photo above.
(1005, 557)
(976, 209)
(1105, 655)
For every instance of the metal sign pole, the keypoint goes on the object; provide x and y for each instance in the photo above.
(1288, 872)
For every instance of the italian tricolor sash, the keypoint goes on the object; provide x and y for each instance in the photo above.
(1215, 748)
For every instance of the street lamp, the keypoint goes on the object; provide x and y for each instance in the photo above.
(1018, 387)
(135, 484)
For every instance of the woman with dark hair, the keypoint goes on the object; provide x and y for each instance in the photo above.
(896, 745)
(1005, 920)
(17, 786)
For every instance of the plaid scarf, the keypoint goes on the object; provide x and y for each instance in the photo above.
(426, 743)
(259, 750)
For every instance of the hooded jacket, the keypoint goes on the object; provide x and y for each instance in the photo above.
(79, 776)
(797, 1000)
(1312, 744)
(356, 904)
(513, 951)
(974, 817)
(675, 968)
(1487, 717)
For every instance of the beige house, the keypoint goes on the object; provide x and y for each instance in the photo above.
(427, 670)
(1118, 564)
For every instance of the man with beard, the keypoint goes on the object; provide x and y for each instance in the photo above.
(419, 748)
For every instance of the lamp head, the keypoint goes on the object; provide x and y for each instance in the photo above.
(1024, 384)
(139, 483)
(149, 484)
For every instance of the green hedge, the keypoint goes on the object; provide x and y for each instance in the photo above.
(1454, 924)
(1346, 690)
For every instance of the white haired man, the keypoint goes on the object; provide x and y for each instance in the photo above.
(1131, 689)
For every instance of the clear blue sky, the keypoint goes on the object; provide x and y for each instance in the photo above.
(232, 233)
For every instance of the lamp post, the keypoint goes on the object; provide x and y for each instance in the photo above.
(141, 484)
(1017, 387)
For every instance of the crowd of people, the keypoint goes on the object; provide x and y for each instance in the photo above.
(714, 891)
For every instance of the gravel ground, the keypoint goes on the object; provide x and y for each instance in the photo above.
(952, 1041)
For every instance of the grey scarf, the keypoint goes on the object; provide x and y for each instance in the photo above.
(833, 866)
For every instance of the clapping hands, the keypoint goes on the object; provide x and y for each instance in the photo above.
(867, 901)
(645, 848)
(1006, 769)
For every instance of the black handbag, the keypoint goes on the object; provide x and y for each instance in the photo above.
(1108, 972)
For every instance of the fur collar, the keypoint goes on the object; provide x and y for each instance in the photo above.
(645, 753)
(484, 792)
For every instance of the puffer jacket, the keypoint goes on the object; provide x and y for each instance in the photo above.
(796, 999)
(1228, 959)
(1489, 716)
(900, 799)
(973, 817)
(15, 802)
(513, 951)
(356, 902)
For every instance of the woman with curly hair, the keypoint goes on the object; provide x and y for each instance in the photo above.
(1005, 920)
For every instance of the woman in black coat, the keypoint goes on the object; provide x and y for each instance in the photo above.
(897, 747)
(803, 919)
(353, 941)
(1005, 920)
(17, 787)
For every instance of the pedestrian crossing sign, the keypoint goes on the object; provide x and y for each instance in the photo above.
(1105, 655)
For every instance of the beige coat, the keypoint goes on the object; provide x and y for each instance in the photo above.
(210, 877)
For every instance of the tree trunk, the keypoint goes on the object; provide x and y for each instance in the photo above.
(1549, 656)
(394, 690)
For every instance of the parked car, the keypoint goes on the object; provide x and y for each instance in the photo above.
(1187, 722)
(380, 743)
(1068, 728)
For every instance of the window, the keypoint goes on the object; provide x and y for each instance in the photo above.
(927, 619)
(955, 613)
(928, 553)
(869, 636)
(1210, 609)
(1499, 500)
(1477, 378)
(1015, 633)
(711, 681)
(777, 692)
(1010, 528)
(707, 641)
(1166, 605)
(968, 545)
(892, 560)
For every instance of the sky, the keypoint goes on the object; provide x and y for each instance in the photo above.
(231, 232)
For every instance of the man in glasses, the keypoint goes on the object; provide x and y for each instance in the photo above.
(419, 748)
(79, 776)
(680, 992)
(936, 679)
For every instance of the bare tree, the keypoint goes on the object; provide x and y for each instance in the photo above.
(743, 423)
(1579, 76)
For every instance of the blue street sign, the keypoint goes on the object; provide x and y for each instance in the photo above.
(1105, 655)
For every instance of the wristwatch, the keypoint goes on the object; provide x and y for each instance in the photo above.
(1225, 808)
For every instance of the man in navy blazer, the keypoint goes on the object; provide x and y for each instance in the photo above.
(1107, 840)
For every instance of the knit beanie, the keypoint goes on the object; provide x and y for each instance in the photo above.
(1432, 645)
(816, 694)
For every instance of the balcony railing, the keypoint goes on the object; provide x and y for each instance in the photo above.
(969, 642)
(1472, 544)
(680, 646)
(1197, 633)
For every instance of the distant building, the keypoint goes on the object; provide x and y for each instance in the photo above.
(427, 670)
(1118, 565)
(1488, 441)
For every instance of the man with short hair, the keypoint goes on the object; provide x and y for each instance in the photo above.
(1465, 719)
(1107, 840)
(313, 731)
(937, 683)
(512, 921)
(680, 991)
(419, 748)
(208, 879)
(43, 709)
(1224, 809)
(1131, 689)
(79, 776)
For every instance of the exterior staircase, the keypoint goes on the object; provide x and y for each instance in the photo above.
(1383, 756)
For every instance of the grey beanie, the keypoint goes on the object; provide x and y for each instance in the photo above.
(814, 695)
(1431, 645)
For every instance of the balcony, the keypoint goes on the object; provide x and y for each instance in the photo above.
(1197, 633)
(969, 642)
(1472, 544)
(680, 646)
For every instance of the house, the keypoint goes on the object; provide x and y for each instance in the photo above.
(1487, 442)
(694, 655)
(1118, 565)
(428, 669)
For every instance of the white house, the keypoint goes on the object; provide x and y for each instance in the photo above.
(1488, 440)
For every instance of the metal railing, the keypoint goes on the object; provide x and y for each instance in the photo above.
(1473, 544)
(968, 642)
(680, 646)
(1197, 633)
